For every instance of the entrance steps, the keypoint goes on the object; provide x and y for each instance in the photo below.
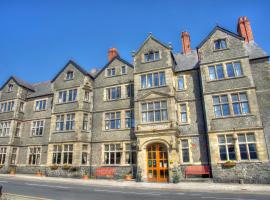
(205, 180)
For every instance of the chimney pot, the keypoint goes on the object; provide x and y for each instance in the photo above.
(185, 42)
(113, 52)
(244, 29)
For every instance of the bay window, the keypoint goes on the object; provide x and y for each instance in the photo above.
(154, 111)
(151, 80)
(68, 154)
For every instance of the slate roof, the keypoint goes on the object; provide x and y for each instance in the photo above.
(255, 51)
(186, 62)
(20, 82)
(41, 89)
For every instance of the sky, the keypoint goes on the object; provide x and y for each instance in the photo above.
(37, 38)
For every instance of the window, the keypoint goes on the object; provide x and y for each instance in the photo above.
(216, 72)
(129, 120)
(5, 128)
(154, 111)
(57, 153)
(34, 155)
(234, 69)
(69, 75)
(18, 129)
(86, 95)
(3, 154)
(240, 104)
(21, 108)
(40, 105)
(37, 128)
(130, 154)
(10, 87)
(112, 154)
(113, 120)
(84, 154)
(183, 113)
(59, 123)
(181, 83)
(130, 90)
(247, 146)
(70, 121)
(68, 153)
(185, 151)
(113, 93)
(220, 44)
(85, 122)
(123, 70)
(111, 72)
(13, 159)
(153, 80)
(226, 147)
(221, 105)
(67, 96)
(151, 56)
(7, 106)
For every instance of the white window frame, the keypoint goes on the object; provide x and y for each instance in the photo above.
(85, 153)
(5, 127)
(183, 112)
(70, 122)
(68, 77)
(112, 116)
(60, 120)
(10, 87)
(56, 153)
(40, 105)
(34, 155)
(37, 126)
(14, 155)
(85, 123)
(125, 70)
(185, 148)
(112, 152)
(145, 113)
(109, 72)
(3, 155)
(111, 90)
(7, 106)
(18, 129)
(70, 96)
(69, 152)
(129, 154)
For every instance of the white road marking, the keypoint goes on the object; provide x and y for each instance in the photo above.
(179, 193)
(195, 194)
(3, 182)
(49, 186)
(123, 192)
(208, 197)
(228, 198)
(28, 197)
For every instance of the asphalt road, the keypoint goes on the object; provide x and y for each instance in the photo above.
(48, 190)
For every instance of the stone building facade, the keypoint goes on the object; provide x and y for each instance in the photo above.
(156, 118)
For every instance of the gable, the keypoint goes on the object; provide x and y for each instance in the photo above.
(153, 95)
(221, 31)
(19, 82)
(149, 43)
(115, 62)
(71, 65)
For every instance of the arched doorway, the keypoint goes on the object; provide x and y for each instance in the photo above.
(157, 163)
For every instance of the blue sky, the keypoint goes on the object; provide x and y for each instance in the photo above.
(37, 38)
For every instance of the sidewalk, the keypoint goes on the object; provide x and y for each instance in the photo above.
(192, 186)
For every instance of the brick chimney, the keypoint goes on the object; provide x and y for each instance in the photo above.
(112, 53)
(244, 29)
(185, 42)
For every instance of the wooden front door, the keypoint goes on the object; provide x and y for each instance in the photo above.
(157, 163)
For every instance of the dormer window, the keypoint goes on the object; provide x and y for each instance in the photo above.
(220, 44)
(70, 75)
(151, 56)
(123, 70)
(111, 72)
(10, 88)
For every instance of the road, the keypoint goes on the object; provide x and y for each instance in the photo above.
(48, 191)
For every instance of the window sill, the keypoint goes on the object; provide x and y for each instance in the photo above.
(85, 131)
(149, 88)
(116, 99)
(233, 116)
(241, 161)
(66, 102)
(36, 136)
(226, 78)
(183, 124)
(157, 122)
(183, 90)
(7, 111)
(40, 110)
(4, 136)
(146, 62)
(65, 131)
(218, 50)
(120, 129)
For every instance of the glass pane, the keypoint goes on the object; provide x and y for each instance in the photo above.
(238, 69)
(162, 78)
(156, 79)
(250, 137)
(157, 105)
(252, 151)
(226, 109)
(243, 97)
(221, 139)
(243, 151)
(245, 108)
(220, 72)
(229, 139)
(241, 138)
(224, 99)
(234, 97)
(231, 152)
(143, 81)
(216, 99)
(230, 70)
(222, 152)
(212, 73)
(236, 108)
(184, 143)
(180, 83)
(217, 111)
(149, 80)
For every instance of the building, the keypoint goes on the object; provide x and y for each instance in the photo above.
(156, 117)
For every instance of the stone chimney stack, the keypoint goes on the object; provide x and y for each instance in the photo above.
(244, 29)
(112, 53)
(185, 42)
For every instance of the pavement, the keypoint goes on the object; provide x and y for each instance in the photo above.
(22, 187)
